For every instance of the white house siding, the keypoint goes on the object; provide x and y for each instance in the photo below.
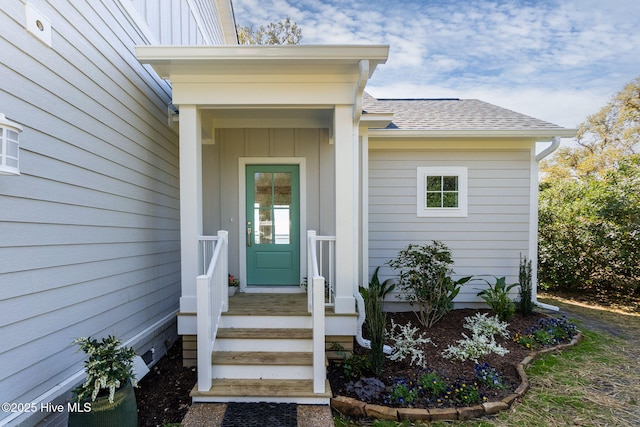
(89, 232)
(220, 177)
(181, 22)
(488, 241)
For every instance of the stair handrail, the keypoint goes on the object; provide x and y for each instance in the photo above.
(316, 305)
(212, 293)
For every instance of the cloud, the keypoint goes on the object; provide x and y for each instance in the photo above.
(558, 60)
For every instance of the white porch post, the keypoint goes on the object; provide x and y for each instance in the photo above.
(364, 205)
(190, 202)
(346, 193)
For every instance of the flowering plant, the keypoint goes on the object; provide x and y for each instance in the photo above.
(548, 331)
(108, 367)
(488, 376)
(233, 281)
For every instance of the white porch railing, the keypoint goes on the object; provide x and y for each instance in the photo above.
(316, 304)
(324, 247)
(212, 300)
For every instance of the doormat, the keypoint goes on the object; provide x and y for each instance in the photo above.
(260, 415)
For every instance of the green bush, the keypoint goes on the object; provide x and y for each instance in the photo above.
(425, 280)
(525, 305)
(376, 319)
(590, 231)
(356, 365)
(497, 297)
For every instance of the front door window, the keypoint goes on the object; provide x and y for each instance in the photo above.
(273, 225)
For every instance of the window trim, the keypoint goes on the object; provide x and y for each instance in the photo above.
(421, 206)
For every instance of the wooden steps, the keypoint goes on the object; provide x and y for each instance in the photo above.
(263, 352)
(252, 390)
(287, 358)
(266, 333)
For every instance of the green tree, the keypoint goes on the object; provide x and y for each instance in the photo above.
(603, 139)
(590, 230)
(275, 33)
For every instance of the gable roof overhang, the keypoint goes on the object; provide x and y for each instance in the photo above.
(268, 76)
(528, 134)
(228, 21)
(458, 139)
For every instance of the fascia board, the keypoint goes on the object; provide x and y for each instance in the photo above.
(228, 21)
(375, 120)
(540, 135)
(167, 59)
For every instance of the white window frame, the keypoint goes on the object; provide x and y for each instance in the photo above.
(461, 172)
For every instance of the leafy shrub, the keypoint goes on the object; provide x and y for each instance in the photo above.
(425, 280)
(590, 229)
(481, 324)
(376, 319)
(497, 297)
(366, 389)
(108, 367)
(432, 385)
(356, 365)
(407, 344)
(482, 341)
(525, 305)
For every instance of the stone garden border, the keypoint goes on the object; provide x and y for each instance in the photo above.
(354, 407)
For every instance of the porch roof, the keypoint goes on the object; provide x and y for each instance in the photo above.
(251, 59)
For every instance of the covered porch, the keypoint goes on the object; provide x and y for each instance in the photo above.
(271, 191)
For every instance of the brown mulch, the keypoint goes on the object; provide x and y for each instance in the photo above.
(444, 333)
(163, 394)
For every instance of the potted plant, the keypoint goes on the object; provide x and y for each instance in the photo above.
(233, 285)
(108, 388)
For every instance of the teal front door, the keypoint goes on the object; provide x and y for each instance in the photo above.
(273, 225)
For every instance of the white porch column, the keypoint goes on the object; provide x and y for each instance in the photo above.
(346, 193)
(190, 202)
(364, 205)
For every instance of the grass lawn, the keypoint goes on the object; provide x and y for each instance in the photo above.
(595, 383)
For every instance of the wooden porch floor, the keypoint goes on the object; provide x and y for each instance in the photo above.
(248, 304)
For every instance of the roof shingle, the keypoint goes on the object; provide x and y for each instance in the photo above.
(451, 114)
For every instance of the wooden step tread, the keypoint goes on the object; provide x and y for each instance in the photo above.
(263, 388)
(292, 358)
(265, 333)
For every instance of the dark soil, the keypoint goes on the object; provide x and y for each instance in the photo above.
(163, 394)
(444, 333)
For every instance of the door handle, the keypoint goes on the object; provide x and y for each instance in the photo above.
(248, 236)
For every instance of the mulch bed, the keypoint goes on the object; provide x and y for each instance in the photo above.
(444, 333)
(163, 394)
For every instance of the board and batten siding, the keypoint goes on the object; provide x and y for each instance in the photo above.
(488, 242)
(220, 177)
(181, 22)
(90, 230)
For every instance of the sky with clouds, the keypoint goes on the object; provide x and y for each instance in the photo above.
(557, 60)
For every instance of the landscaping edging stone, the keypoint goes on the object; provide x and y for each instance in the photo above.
(354, 407)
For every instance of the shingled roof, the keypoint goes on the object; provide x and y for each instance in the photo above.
(452, 114)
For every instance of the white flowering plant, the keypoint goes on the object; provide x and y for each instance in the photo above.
(108, 366)
(483, 339)
(407, 344)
